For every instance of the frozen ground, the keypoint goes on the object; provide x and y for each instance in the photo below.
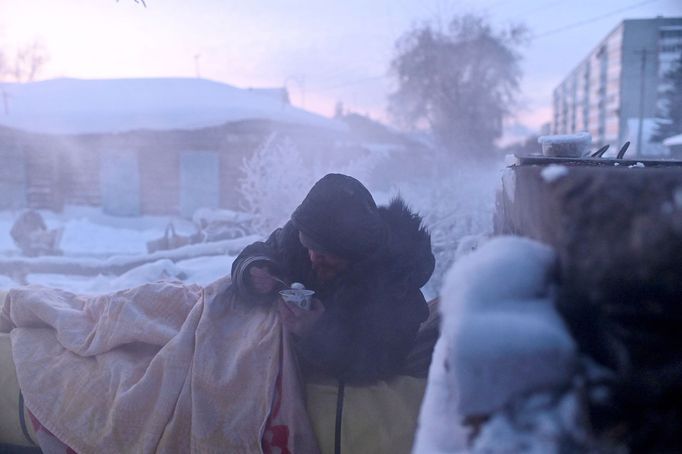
(89, 234)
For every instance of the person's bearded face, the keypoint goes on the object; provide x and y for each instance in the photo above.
(326, 266)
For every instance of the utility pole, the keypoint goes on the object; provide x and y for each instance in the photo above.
(642, 85)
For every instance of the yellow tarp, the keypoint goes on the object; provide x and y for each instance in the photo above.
(377, 419)
(10, 428)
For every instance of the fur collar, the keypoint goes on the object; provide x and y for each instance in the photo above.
(405, 258)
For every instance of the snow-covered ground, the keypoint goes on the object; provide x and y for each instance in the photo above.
(89, 234)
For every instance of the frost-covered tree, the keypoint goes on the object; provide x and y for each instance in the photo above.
(278, 176)
(275, 181)
(460, 82)
(672, 104)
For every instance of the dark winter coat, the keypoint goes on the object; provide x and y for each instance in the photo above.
(372, 310)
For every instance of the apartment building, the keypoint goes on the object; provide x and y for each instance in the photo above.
(614, 92)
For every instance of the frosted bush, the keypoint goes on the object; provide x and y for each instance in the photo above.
(279, 175)
(275, 180)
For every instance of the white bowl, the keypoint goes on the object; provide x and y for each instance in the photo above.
(300, 297)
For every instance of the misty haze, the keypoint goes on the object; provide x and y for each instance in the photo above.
(340, 227)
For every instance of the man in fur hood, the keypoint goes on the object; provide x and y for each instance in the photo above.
(366, 265)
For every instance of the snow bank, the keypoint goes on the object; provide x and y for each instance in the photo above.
(87, 232)
(105, 253)
(82, 237)
(501, 338)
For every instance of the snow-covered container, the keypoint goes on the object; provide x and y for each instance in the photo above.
(566, 146)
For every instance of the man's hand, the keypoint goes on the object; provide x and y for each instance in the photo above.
(299, 321)
(262, 282)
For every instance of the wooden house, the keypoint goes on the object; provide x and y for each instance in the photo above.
(141, 146)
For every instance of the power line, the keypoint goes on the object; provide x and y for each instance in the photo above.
(542, 35)
(352, 82)
(593, 19)
(539, 8)
(496, 4)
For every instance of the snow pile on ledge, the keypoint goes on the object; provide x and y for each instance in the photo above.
(501, 339)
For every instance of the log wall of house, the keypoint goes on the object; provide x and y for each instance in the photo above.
(44, 188)
(80, 174)
(12, 177)
(159, 182)
(63, 170)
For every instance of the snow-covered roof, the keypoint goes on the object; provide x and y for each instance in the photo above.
(76, 106)
(674, 140)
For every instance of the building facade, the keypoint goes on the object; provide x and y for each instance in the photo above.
(614, 92)
(164, 146)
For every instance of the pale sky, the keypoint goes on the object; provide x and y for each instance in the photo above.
(323, 51)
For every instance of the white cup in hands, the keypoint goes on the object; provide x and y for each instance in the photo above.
(300, 297)
(300, 321)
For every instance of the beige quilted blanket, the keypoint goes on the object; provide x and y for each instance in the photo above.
(160, 368)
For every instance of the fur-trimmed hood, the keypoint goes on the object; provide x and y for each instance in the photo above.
(373, 311)
(401, 263)
(374, 308)
(408, 244)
